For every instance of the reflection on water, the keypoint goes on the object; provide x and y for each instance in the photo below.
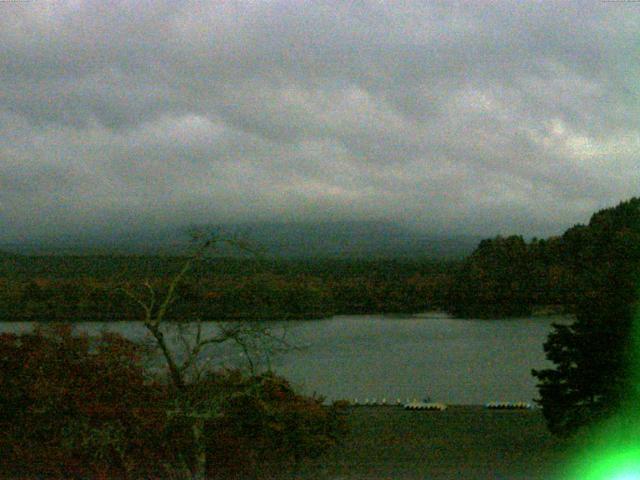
(372, 356)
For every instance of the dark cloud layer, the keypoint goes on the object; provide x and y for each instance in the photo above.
(456, 117)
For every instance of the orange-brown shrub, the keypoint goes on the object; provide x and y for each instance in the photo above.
(74, 407)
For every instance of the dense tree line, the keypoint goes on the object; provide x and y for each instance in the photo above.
(509, 276)
(104, 267)
(504, 276)
(57, 288)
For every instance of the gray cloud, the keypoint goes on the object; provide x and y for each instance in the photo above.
(455, 117)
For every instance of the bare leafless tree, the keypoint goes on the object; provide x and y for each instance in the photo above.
(254, 339)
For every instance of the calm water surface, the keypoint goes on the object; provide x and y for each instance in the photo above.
(373, 356)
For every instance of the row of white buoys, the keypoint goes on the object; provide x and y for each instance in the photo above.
(425, 406)
(371, 402)
(383, 402)
(508, 406)
(428, 405)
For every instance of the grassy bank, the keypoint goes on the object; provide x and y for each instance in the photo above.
(462, 442)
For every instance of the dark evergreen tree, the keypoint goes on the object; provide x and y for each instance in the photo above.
(592, 357)
(494, 281)
(595, 356)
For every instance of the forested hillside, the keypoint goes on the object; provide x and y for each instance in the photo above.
(504, 276)
(89, 287)
(508, 276)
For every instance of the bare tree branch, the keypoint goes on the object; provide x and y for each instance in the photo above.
(152, 293)
(254, 340)
(145, 307)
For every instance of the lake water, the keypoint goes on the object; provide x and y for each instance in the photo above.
(373, 356)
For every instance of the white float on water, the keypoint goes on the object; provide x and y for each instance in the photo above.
(425, 406)
(508, 406)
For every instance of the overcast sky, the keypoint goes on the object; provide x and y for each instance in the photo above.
(457, 117)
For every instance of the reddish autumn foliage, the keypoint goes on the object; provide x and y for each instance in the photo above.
(266, 428)
(74, 407)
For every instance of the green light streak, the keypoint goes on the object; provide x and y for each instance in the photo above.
(611, 450)
(615, 464)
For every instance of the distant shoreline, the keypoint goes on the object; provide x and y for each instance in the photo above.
(543, 311)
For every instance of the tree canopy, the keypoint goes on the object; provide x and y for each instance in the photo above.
(594, 357)
(508, 276)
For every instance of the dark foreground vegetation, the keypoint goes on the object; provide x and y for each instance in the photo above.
(71, 408)
(75, 408)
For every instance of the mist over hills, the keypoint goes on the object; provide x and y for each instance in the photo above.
(339, 239)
